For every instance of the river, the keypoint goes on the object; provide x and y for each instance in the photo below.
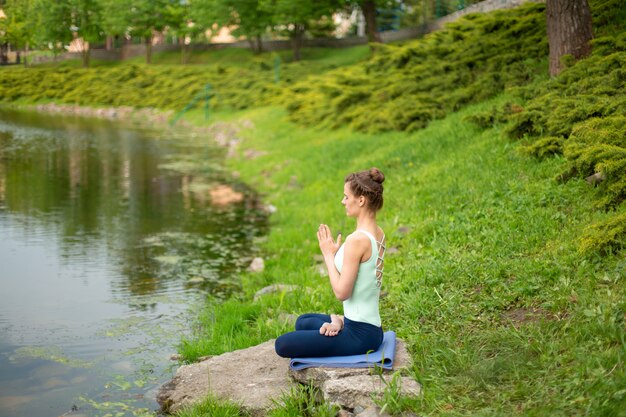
(109, 244)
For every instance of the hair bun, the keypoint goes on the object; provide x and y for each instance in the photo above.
(377, 175)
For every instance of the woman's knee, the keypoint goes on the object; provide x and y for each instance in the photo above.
(310, 321)
(281, 347)
(302, 321)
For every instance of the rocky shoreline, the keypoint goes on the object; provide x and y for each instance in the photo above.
(148, 114)
(256, 377)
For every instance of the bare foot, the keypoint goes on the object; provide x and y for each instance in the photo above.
(330, 329)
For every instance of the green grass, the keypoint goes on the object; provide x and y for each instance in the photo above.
(501, 312)
(212, 407)
(302, 401)
(239, 57)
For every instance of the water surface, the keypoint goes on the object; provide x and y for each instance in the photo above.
(109, 243)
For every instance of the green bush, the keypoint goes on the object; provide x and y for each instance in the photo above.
(405, 87)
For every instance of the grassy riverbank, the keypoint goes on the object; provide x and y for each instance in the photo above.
(502, 312)
(507, 284)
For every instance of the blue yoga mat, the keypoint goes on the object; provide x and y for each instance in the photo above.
(383, 358)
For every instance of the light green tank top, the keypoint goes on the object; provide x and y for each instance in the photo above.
(363, 303)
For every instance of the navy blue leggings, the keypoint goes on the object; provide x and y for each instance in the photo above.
(356, 338)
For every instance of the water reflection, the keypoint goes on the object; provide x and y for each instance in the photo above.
(108, 233)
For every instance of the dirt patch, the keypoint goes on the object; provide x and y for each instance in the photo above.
(525, 315)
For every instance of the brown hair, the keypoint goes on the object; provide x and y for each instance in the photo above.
(368, 183)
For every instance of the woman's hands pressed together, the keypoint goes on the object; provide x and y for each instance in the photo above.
(328, 246)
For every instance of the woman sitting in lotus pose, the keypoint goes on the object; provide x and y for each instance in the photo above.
(355, 271)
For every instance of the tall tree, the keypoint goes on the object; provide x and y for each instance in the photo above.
(149, 16)
(368, 7)
(185, 28)
(15, 26)
(54, 24)
(86, 24)
(569, 31)
(248, 18)
(296, 15)
(58, 23)
(141, 18)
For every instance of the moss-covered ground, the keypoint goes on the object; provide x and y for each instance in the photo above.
(507, 274)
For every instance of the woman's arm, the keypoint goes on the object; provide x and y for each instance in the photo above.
(354, 249)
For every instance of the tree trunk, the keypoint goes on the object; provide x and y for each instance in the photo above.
(148, 49)
(297, 40)
(569, 31)
(26, 51)
(4, 58)
(185, 53)
(252, 45)
(369, 13)
(256, 44)
(86, 57)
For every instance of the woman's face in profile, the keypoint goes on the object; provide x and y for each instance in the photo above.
(350, 201)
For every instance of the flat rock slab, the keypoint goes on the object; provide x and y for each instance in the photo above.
(354, 387)
(253, 377)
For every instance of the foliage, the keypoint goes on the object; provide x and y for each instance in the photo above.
(606, 234)
(580, 114)
(17, 27)
(295, 16)
(404, 87)
(54, 23)
(211, 407)
(249, 18)
(235, 85)
(419, 12)
(302, 401)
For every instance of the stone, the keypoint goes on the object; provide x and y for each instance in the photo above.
(596, 178)
(403, 230)
(344, 413)
(270, 209)
(372, 412)
(353, 388)
(358, 390)
(251, 377)
(274, 288)
(255, 376)
(257, 265)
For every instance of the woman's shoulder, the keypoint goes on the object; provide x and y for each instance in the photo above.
(365, 235)
(357, 238)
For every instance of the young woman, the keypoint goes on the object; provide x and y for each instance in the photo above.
(355, 271)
